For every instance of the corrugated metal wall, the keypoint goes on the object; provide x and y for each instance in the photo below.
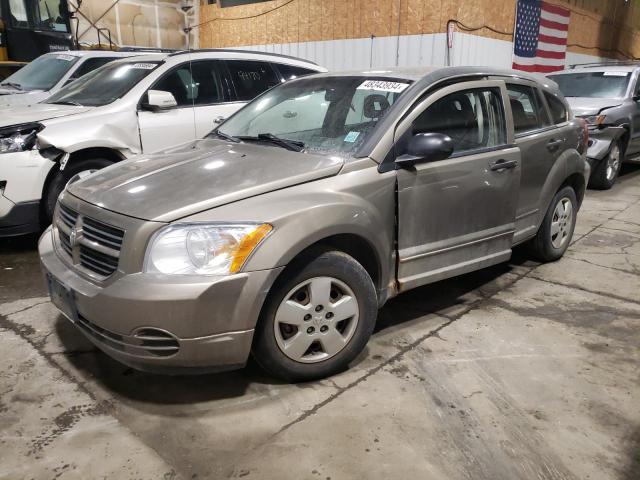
(406, 50)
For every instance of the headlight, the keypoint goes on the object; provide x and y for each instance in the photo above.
(204, 248)
(595, 119)
(18, 138)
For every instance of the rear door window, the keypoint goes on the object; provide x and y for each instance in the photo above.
(251, 78)
(559, 113)
(527, 108)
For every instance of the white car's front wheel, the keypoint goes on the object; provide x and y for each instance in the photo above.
(75, 171)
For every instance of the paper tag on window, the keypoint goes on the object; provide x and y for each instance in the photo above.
(615, 74)
(383, 86)
(66, 58)
(144, 66)
(351, 137)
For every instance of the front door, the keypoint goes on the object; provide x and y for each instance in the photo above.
(198, 89)
(458, 215)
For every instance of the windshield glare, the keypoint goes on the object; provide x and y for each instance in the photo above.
(611, 84)
(104, 85)
(43, 73)
(328, 114)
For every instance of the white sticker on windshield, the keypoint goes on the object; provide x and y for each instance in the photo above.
(351, 137)
(144, 66)
(383, 86)
(615, 74)
(66, 58)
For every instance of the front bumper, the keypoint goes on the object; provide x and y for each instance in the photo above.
(22, 179)
(18, 219)
(201, 325)
(600, 140)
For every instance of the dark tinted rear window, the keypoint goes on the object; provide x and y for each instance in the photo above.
(289, 72)
(251, 78)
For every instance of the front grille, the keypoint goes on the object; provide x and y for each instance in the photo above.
(145, 342)
(90, 244)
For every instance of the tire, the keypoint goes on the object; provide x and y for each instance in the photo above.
(555, 233)
(336, 325)
(606, 172)
(60, 180)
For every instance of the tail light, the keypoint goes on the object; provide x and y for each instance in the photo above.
(583, 143)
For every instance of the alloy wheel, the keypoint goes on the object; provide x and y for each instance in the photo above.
(316, 320)
(613, 162)
(561, 223)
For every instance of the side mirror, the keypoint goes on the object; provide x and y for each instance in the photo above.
(158, 100)
(426, 147)
(636, 98)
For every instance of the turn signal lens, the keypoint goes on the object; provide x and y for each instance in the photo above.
(248, 245)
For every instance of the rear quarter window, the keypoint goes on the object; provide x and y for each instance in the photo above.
(559, 112)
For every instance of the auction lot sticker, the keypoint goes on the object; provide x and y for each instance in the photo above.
(383, 86)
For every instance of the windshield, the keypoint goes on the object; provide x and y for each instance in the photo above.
(104, 85)
(41, 74)
(50, 15)
(610, 84)
(323, 115)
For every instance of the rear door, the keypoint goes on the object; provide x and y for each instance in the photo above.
(458, 215)
(540, 143)
(634, 144)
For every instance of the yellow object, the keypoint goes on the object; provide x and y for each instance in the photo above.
(4, 55)
(248, 245)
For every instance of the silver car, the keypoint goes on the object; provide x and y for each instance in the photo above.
(285, 230)
(607, 96)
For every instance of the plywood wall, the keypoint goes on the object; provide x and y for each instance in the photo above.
(598, 27)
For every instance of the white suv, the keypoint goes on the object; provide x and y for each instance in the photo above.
(130, 106)
(50, 72)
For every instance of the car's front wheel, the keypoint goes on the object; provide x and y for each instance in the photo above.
(61, 178)
(317, 319)
(606, 172)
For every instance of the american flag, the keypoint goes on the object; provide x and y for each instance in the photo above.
(541, 36)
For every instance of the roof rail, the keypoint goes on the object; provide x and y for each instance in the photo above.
(610, 63)
(233, 50)
(149, 49)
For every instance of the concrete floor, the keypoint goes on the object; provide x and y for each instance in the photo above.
(520, 371)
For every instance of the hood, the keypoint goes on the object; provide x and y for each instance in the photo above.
(18, 97)
(36, 113)
(199, 176)
(583, 106)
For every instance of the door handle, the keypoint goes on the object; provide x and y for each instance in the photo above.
(502, 164)
(554, 144)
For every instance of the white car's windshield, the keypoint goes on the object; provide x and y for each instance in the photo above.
(323, 115)
(41, 74)
(104, 85)
(611, 84)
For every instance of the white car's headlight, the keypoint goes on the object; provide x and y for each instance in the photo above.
(18, 138)
(204, 248)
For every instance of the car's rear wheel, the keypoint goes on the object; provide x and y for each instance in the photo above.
(60, 180)
(317, 319)
(606, 172)
(555, 233)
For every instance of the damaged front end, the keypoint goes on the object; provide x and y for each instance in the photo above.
(601, 138)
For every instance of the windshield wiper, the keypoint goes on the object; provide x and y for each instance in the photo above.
(225, 136)
(68, 102)
(13, 85)
(292, 145)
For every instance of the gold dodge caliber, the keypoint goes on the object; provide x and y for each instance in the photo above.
(284, 231)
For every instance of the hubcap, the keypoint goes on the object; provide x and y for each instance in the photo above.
(316, 320)
(561, 223)
(613, 163)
